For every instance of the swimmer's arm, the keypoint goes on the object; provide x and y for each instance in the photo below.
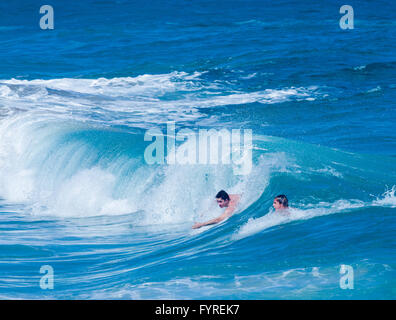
(227, 213)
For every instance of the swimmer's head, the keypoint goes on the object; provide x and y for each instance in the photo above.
(222, 199)
(281, 202)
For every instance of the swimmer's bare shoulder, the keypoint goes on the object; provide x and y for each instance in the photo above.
(235, 198)
(234, 201)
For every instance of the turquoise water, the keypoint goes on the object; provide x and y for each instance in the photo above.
(77, 194)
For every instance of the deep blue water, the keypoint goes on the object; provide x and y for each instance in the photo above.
(77, 194)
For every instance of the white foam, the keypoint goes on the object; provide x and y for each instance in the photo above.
(274, 218)
(144, 84)
(6, 91)
(329, 171)
(145, 98)
(87, 193)
(388, 198)
(360, 67)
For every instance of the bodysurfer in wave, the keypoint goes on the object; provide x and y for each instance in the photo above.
(224, 200)
(281, 203)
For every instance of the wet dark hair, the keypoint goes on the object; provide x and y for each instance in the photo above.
(223, 195)
(282, 199)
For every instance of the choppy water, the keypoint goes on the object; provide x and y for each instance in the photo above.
(77, 194)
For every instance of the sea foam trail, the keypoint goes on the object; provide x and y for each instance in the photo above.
(274, 218)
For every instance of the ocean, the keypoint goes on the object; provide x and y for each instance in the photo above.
(84, 215)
